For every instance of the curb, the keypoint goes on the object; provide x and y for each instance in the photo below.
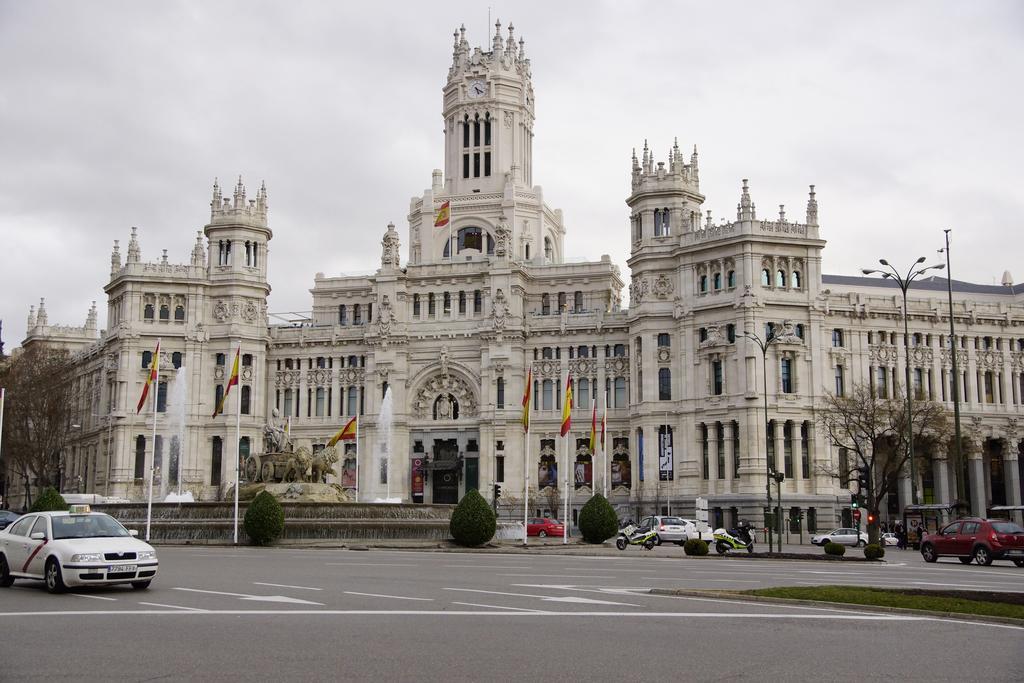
(881, 609)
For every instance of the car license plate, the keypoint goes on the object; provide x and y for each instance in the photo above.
(118, 568)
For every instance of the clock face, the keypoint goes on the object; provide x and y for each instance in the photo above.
(477, 89)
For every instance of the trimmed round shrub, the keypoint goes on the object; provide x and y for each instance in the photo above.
(836, 549)
(264, 519)
(874, 551)
(49, 500)
(473, 522)
(696, 547)
(598, 521)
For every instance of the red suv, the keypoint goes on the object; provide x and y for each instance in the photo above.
(981, 540)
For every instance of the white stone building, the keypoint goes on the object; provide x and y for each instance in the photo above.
(477, 304)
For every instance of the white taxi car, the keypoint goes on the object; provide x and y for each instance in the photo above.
(76, 548)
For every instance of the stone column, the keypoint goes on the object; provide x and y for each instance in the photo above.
(780, 445)
(940, 475)
(976, 476)
(730, 455)
(904, 484)
(713, 457)
(796, 436)
(1011, 470)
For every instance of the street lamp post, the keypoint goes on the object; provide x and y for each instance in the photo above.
(903, 281)
(955, 387)
(763, 344)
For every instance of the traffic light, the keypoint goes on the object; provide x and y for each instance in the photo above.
(871, 518)
(497, 491)
(854, 501)
(863, 478)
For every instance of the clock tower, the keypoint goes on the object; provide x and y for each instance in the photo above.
(488, 111)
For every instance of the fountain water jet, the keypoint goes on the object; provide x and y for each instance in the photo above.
(385, 423)
(176, 407)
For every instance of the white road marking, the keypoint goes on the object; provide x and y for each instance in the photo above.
(94, 597)
(517, 609)
(285, 585)
(157, 604)
(257, 598)
(696, 580)
(564, 576)
(393, 597)
(367, 564)
(545, 598)
(482, 566)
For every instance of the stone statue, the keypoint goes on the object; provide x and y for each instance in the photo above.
(444, 407)
(385, 316)
(275, 439)
(499, 309)
(444, 361)
(322, 464)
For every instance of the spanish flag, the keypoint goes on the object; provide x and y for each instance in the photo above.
(153, 369)
(526, 401)
(231, 382)
(567, 407)
(347, 433)
(593, 430)
(444, 214)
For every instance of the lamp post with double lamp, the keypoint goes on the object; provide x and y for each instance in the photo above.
(903, 281)
(958, 455)
(763, 344)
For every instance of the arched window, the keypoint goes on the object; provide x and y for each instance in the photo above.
(165, 312)
(702, 334)
(288, 408)
(161, 398)
(664, 384)
(343, 312)
(147, 312)
(545, 304)
(416, 305)
(462, 302)
(795, 280)
(620, 392)
(357, 314)
(547, 395)
(666, 228)
(780, 278)
(549, 250)
(561, 301)
(176, 359)
(474, 238)
(717, 280)
(179, 312)
(703, 284)
(431, 304)
(147, 359)
(526, 252)
(577, 302)
(447, 303)
(583, 392)
(246, 397)
(730, 279)
(657, 222)
(730, 333)
(766, 278)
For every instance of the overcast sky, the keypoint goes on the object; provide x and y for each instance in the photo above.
(112, 114)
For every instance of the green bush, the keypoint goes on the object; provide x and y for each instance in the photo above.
(264, 519)
(49, 500)
(473, 522)
(874, 551)
(598, 521)
(836, 549)
(695, 546)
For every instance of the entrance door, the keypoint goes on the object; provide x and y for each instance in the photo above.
(445, 482)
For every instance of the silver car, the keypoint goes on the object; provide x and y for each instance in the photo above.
(669, 529)
(843, 536)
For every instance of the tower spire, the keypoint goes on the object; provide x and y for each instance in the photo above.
(812, 208)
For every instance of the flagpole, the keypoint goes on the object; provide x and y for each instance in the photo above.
(2, 392)
(565, 489)
(604, 442)
(526, 467)
(152, 463)
(238, 435)
(357, 458)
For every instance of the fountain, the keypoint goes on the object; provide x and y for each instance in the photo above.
(175, 463)
(385, 421)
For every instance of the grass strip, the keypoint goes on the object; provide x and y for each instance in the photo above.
(881, 597)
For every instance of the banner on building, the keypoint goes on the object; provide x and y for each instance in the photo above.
(665, 459)
(417, 480)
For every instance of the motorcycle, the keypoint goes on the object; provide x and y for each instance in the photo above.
(735, 539)
(631, 534)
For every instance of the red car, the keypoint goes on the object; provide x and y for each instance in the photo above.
(980, 540)
(543, 526)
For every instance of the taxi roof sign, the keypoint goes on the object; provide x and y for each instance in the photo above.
(79, 509)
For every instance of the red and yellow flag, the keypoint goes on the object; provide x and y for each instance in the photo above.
(443, 215)
(232, 381)
(567, 407)
(346, 433)
(526, 401)
(153, 368)
(593, 430)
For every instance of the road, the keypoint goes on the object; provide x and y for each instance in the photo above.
(318, 614)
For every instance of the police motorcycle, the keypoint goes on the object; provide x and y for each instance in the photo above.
(631, 534)
(740, 538)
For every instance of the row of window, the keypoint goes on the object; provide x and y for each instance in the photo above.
(224, 253)
(351, 361)
(477, 155)
(149, 312)
(923, 339)
(547, 394)
(319, 402)
(177, 358)
(713, 435)
(555, 352)
(446, 300)
(357, 314)
(562, 299)
(716, 282)
(792, 435)
(795, 279)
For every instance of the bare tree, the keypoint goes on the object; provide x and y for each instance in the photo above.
(37, 415)
(873, 430)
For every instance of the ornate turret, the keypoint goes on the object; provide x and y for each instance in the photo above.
(31, 318)
(812, 208)
(745, 210)
(42, 319)
(115, 259)
(91, 319)
(198, 251)
(238, 209)
(134, 254)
